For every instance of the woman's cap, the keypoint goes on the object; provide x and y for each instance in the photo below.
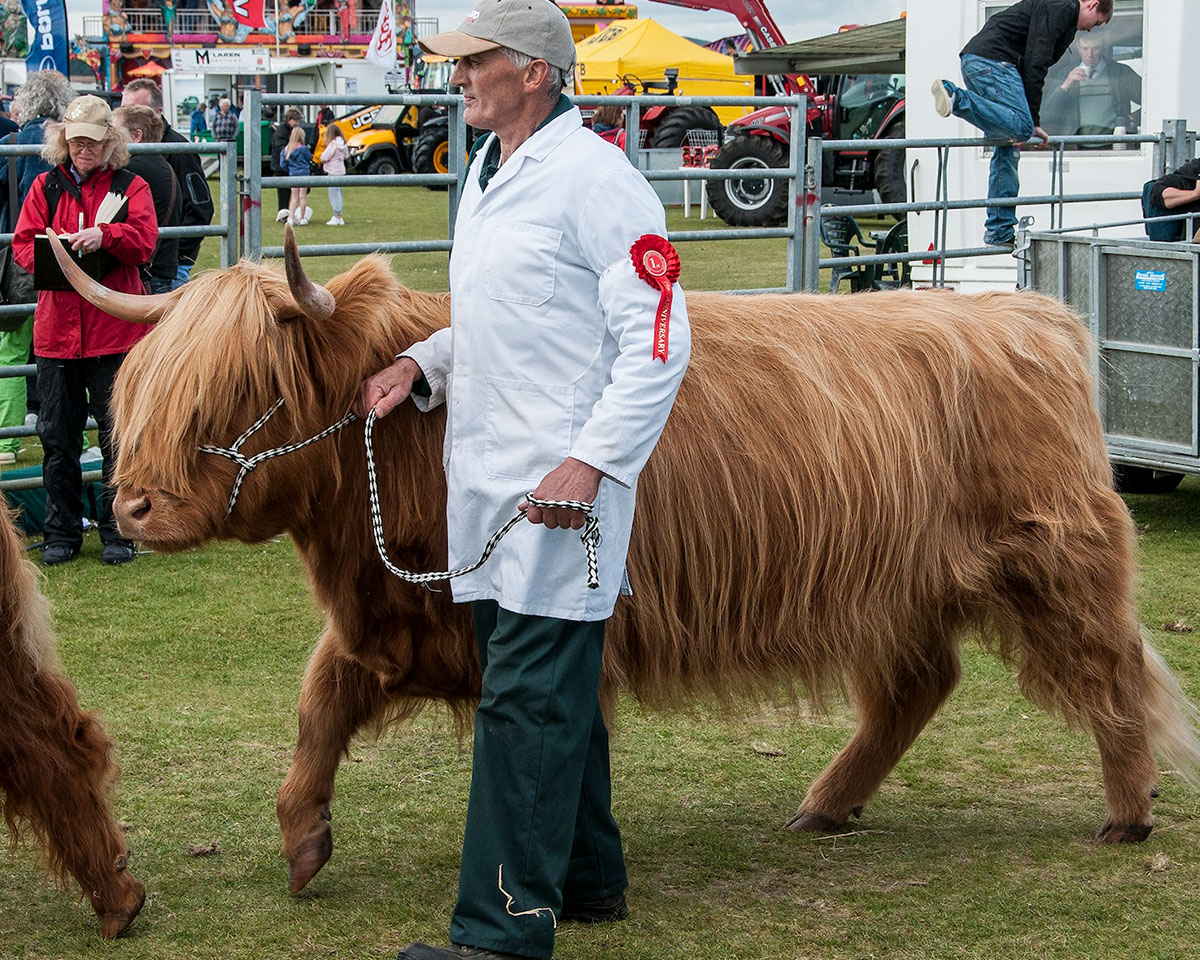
(87, 117)
(536, 28)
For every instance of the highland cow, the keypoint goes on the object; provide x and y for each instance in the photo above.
(847, 488)
(55, 760)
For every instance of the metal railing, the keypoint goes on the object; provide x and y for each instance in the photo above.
(1171, 146)
(225, 202)
(315, 22)
(256, 182)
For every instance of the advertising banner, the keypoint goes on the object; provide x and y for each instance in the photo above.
(383, 41)
(49, 49)
(232, 60)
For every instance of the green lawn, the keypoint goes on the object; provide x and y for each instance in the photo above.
(976, 847)
(415, 213)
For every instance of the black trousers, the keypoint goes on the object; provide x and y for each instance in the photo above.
(69, 390)
(540, 829)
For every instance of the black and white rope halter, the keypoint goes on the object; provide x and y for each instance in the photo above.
(591, 526)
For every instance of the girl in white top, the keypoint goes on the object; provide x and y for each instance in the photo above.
(333, 159)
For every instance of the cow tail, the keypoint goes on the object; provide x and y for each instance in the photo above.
(1173, 721)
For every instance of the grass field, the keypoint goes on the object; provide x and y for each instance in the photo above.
(412, 213)
(977, 846)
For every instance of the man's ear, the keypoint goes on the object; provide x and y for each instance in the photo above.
(535, 73)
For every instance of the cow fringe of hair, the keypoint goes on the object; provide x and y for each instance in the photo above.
(56, 769)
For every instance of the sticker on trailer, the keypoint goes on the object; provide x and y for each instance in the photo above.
(1155, 280)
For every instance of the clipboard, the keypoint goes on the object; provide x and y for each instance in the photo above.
(48, 275)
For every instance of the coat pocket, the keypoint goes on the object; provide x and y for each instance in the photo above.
(528, 427)
(519, 265)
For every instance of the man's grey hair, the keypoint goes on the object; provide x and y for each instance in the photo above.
(556, 77)
(46, 93)
(224, 102)
(152, 90)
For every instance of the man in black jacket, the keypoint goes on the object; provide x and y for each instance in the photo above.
(1179, 192)
(143, 125)
(189, 172)
(1004, 68)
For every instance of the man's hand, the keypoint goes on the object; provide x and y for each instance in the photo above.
(1042, 135)
(571, 480)
(387, 389)
(86, 241)
(1075, 76)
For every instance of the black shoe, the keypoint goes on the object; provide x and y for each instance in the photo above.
(115, 553)
(604, 910)
(55, 553)
(457, 951)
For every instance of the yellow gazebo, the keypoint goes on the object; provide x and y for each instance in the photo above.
(645, 49)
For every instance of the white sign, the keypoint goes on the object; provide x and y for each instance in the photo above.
(221, 60)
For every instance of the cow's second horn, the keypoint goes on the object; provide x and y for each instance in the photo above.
(134, 307)
(312, 298)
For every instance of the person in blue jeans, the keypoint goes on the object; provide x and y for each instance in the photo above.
(1004, 69)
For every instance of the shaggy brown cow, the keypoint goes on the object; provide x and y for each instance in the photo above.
(55, 769)
(847, 487)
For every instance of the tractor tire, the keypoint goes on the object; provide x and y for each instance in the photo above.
(672, 129)
(1129, 479)
(382, 166)
(889, 169)
(431, 153)
(749, 203)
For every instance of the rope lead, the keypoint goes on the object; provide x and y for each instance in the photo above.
(591, 526)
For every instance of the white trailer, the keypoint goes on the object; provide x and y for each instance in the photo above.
(1153, 37)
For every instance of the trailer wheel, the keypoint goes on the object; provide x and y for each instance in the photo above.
(431, 153)
(749, 203)
(672, 129)
(889, 169)
(1128, 479)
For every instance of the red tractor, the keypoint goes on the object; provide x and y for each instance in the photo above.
(839, 107)
(666, 126)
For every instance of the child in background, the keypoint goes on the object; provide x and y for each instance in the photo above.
(333, 159)
(296, 158)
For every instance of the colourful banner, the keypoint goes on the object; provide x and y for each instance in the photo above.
(49, 49)
(251, 13)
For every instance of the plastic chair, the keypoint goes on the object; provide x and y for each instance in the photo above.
(890, 276)
(697, 151)
(843, 238)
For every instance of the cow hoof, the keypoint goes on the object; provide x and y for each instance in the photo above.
(309, 859)
(1130, 833)
(113, 923)
(812, 822)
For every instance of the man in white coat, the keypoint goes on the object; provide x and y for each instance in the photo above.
(567, 344)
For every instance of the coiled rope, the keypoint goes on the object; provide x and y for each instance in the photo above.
(591, 526)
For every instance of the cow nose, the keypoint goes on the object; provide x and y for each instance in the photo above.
(131, 513)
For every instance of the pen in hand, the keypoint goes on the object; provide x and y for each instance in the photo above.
(79, 252)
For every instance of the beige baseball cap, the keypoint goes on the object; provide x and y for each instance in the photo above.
(536, 28)
(87, 117)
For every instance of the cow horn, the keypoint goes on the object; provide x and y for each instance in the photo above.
(313, 299)
(134, 307)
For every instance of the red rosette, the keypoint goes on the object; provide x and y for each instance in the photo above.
(657, 262)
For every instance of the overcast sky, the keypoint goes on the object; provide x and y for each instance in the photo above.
(798, 19)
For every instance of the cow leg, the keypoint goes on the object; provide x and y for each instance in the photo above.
(889, 721)
(337, 698)
(1081, 656)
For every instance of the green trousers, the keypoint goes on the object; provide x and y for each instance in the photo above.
(14, 351)
(539, 824)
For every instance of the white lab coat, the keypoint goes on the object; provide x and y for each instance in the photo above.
(549, 355)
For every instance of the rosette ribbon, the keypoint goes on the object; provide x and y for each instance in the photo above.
(657, 262)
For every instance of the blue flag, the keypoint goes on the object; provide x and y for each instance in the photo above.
(49, 49)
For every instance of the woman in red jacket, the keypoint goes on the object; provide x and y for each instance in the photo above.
(107, 216)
